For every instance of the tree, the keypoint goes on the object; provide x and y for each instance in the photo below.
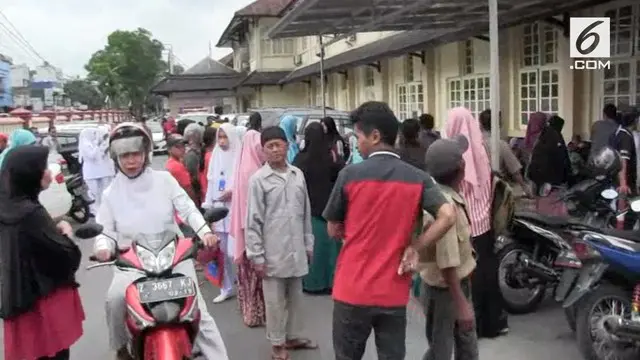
(128, 66)
(178, 69)
(84, 92)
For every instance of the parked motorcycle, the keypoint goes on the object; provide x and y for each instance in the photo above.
(602, 301)
(80, 204)
(162, 313)
(528, 255)
(527, 259)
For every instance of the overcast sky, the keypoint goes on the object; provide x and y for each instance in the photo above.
(67, 32)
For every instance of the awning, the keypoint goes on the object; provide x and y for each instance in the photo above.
(394, 45)
(256, 78)
(345, 18)
(186, 83)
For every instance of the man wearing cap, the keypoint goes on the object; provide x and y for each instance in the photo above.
(176, 148)
(445, 267)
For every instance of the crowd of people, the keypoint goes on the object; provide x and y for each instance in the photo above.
(393, 205)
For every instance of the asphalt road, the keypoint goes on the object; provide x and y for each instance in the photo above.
(543, 335)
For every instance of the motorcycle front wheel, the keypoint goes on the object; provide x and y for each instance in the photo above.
(517, 297)
(594, 341)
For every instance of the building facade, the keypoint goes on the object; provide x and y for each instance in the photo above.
(20, 82)
(6, 93)
(534, 70)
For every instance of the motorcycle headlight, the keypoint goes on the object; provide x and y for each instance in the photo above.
(157, 264)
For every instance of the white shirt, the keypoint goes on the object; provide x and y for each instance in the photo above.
(145, 205)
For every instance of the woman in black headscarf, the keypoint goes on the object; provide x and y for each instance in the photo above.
(320, 167)
(40, 301)
(336, 142)
(410, 149)
(255, 122)
(550, 167)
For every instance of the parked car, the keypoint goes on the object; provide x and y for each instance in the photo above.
(199, 117)
(159, 143)
(306, 115)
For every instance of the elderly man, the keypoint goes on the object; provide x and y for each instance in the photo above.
(193, 136)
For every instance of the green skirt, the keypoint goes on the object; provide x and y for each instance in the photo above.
(325, 254)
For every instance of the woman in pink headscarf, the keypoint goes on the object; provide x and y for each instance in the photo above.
(491, 319)
(251, 159)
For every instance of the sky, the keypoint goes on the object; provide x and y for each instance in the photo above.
(67, 32)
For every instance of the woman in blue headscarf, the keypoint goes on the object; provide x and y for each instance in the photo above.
(19, 137)
(289, 124)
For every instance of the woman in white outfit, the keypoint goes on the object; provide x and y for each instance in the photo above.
(219, 191)
(141, 200)
(97, 166)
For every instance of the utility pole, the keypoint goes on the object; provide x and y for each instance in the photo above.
(170, 58)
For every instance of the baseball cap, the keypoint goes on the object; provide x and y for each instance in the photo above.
(174, 140)
(445, 155)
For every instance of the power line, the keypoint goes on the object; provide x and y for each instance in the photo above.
(24, 44)
(19, 37)
(19, 44)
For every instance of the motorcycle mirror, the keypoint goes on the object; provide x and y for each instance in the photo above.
(609, 194)
(88, 231)
(635, 204)
(215, 214)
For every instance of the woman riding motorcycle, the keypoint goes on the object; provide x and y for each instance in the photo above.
(141, 200)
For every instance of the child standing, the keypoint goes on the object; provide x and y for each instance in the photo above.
(219, 192)
(279, 242)
(447, 264)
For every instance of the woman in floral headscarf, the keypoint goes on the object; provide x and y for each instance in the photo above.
(476, 189)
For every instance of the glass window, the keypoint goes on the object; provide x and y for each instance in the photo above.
(369, 76)
(539, 91)
(471, 92)
(539, 44)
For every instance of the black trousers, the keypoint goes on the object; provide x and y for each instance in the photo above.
(487, 302)
(444, 336)
(62, 355)
(352, 326)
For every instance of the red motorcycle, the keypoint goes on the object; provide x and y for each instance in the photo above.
(162, 310)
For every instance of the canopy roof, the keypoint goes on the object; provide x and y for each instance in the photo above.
(345, 18)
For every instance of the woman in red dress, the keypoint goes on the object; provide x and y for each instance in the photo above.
(40, 304)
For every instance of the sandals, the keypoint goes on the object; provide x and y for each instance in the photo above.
(300, 344)
(284, 355)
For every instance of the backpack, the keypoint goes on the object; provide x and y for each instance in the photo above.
(503, 204)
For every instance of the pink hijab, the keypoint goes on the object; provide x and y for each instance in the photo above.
(250, 160)
(477, 168)
(537, 122)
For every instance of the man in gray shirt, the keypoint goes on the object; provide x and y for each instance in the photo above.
(279, 242)
(603, 131)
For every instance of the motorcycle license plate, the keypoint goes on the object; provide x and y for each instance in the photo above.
(166, 289)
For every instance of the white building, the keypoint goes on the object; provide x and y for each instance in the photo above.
(415, 72)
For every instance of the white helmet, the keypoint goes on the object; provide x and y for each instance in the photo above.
(127, 138)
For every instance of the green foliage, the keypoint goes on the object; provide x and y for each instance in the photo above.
(84, 92)
(128, 66)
